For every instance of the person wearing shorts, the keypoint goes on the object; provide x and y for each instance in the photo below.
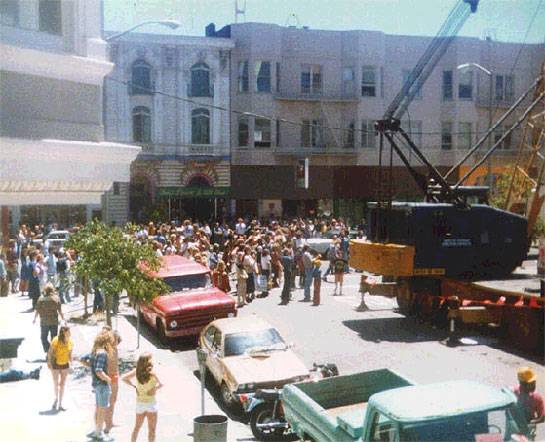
(98, 362)
(59, 358)
(147, 384)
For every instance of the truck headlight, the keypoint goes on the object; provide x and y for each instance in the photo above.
(173, 324)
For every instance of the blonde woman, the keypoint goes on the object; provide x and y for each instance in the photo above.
(98, 362)
(59, 358)
(147, 384)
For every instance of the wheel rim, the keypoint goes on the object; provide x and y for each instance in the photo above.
(264, 417)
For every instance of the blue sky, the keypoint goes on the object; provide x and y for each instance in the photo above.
(505, 20)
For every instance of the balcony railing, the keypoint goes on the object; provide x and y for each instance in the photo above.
(187, 150)
(323, 96)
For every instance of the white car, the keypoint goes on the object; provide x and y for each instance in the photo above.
(56, 239)
(245, 354)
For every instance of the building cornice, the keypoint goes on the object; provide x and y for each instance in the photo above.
(61, 66)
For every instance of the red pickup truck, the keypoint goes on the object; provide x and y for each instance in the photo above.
(192, 303)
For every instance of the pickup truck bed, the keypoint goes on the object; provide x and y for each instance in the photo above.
(340, 402)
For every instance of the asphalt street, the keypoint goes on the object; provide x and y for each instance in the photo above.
(380, 338)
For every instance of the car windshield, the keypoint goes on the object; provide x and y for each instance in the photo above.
(495, 425)
(260, 340)
(187, 282)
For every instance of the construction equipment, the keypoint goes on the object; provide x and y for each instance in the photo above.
(437, 249)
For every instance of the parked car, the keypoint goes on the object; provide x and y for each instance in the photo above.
(192, 303)
(246, 354)
(56, 239)
(381, 405)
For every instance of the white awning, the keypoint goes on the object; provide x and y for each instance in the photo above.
(61, 172)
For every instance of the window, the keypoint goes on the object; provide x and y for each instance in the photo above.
(465, 85)
(277, 77)
(200, 81)
(141, 124)
(9, 12)
(504, 88)
(414, 129)
(262, 76)
(506, 143)
(141, 78)
(262, 132)
(50, 16)
(278, 133)
(465, 135)
(243, 78)
(368, 134)
(369, 82)
(200, 126)
(311, 79)
(348, 135)
(348, 81)
(447, 85)
(116, 188)
(243, 131)
(383, 429)
(446, 135)
(311, 133)
(417, 86)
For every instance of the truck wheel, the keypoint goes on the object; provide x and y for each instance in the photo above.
(163, 338)
(227, 397)
(262, 414)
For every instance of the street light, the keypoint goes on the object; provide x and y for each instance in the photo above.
(172, 24)
(490, 81)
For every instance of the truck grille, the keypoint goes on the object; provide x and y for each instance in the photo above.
(199, 318)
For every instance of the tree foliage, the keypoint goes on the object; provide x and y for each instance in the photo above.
(113, 260)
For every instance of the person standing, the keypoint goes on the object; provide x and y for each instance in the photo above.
(62, 274)
(34, 278)
(113, 372)
(240, 227)
(12, 265)
(338, 268)
(48, 307)
(220, 278)
(242, 278)
(317, 276)
(250, 266)
(51, 263)
(147, 384)
(530, 402)
(266, 268)
(97, 361)
(287, 264)
(59, 358)
(26, 271)
(4, 283)
(331, 254)
(308, 269)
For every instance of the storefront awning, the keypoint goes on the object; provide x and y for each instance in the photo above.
(193, 192)
(43, 172)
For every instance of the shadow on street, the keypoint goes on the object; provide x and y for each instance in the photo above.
(395, 330)
(174, 345)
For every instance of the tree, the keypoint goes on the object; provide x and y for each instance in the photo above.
(114, 261)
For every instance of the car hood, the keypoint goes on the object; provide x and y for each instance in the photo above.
(265, 367)
(191, 300)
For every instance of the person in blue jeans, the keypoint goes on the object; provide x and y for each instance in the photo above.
(309, 272)
(14, 375)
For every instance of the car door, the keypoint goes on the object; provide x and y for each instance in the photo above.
(211, 343)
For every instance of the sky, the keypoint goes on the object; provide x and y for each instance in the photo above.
(503, 20)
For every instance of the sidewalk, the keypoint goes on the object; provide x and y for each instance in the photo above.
(26, 405)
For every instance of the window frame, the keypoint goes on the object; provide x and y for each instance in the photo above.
(261, 143)
(315, 79)
(446, 145)
(259, 76)
(312, 134)
(9, 12)
(138, 87)
(447, 87)
(469, 85)
(243, 78)
(462, 132)
(243, 120)
(198, 115)
(368, 134)
(43, 24)
(369, 84)
(200, 87)
(142, 116)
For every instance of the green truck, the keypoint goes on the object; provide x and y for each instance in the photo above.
(381, 405)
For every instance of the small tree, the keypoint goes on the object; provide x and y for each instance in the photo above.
(113, 261)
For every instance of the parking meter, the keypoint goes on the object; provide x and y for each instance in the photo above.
(201, 357)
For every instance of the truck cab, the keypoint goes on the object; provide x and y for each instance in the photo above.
(192, 302)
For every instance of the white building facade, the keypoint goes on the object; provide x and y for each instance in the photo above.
(55, 165)
(171, 95)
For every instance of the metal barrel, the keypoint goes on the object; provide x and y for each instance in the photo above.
(210, 428)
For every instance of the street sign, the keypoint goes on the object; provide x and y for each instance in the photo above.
(301, 174)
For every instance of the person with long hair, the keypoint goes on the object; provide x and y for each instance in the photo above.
(97, 360)
(59, 358)
(113, 372)
(147, 384)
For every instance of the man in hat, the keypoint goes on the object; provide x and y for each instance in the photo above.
(528, 399)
